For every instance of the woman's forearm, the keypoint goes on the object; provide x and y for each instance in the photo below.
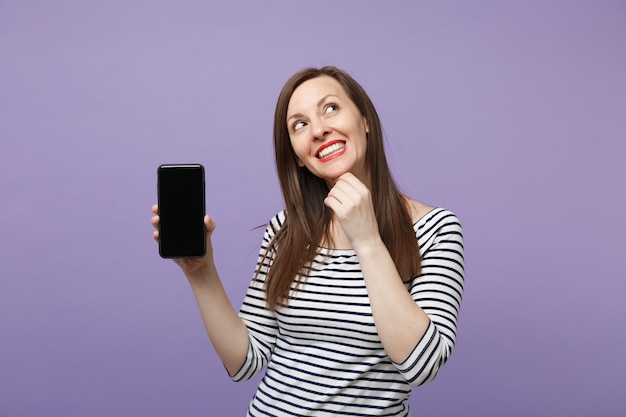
(226, 330)
(399, 321)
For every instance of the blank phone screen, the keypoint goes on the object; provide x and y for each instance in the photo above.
(181, 211)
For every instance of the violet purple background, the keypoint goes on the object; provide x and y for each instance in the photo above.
(512, 114)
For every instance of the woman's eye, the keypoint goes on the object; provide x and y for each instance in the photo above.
(330, 108)
(298, 125)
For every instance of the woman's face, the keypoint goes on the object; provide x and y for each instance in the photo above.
(327, 131)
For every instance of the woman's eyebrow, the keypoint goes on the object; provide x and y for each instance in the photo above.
(323, 99)
(319, 103)
(294, 116)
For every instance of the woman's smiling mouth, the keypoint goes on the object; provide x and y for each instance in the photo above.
(331, 150)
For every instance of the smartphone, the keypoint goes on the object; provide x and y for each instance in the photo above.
(181, 199)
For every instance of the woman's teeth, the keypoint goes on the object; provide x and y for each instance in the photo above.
(331, 150)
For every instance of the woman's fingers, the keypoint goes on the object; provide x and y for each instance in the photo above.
(209, 223)
(155, 222)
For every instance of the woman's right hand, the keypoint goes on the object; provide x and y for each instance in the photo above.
(191, 266)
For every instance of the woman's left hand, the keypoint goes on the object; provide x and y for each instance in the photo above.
(351, 201)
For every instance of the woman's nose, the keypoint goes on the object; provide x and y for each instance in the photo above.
(319, 130)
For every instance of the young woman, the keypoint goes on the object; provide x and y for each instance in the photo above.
(357, 290)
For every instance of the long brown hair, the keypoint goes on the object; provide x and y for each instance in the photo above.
(307, 221)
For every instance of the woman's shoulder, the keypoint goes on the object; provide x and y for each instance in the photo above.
(417, 209)
(422, 214)
(277, 221)
(274, 225)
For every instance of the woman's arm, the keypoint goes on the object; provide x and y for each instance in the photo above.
(400, 321)
(225, 328)
(437, 291)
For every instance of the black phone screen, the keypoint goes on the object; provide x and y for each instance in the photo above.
(181, 210)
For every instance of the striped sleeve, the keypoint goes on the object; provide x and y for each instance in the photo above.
(438, 290)
(261, 322)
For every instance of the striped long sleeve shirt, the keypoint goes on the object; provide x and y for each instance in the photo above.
(322, 352)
